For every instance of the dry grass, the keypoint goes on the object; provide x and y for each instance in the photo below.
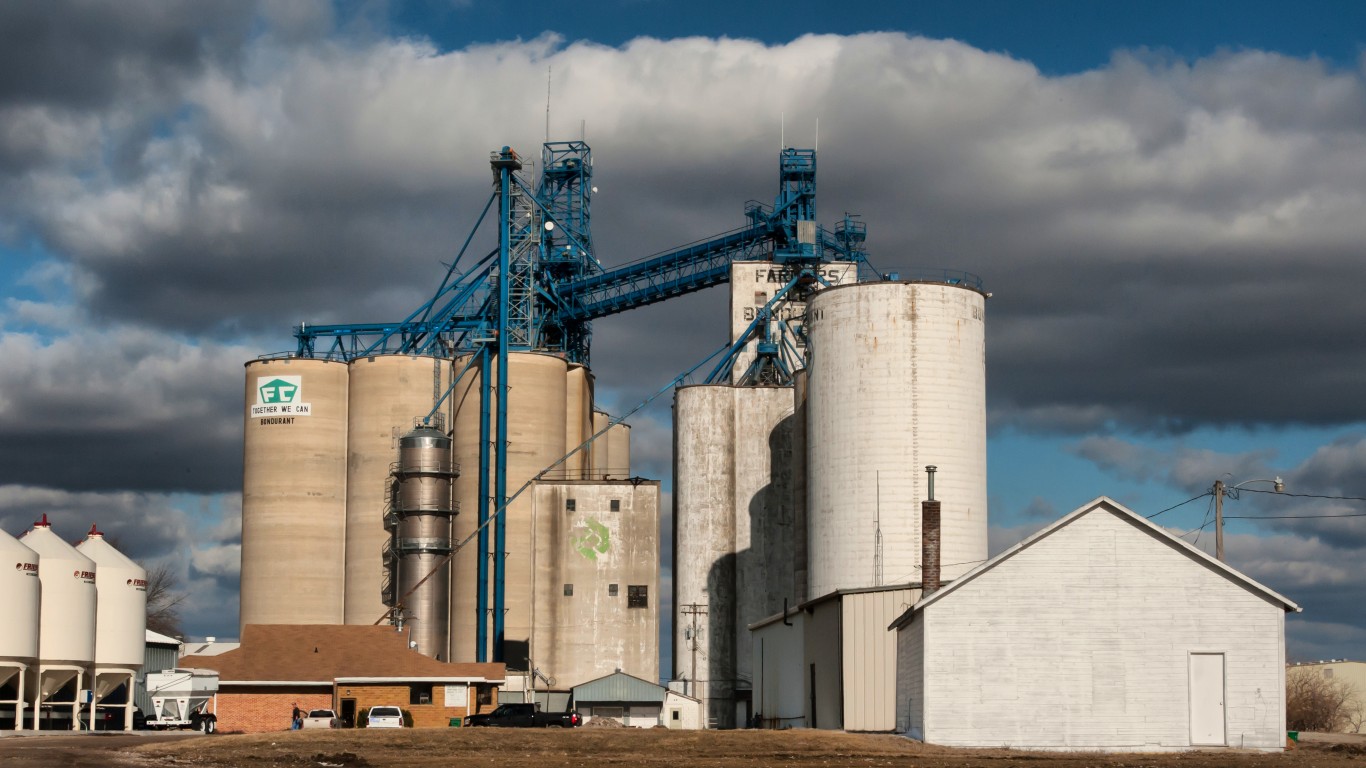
(596, 748)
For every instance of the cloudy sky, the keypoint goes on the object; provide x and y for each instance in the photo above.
(1166, 202)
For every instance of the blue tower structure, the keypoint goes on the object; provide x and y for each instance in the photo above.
(543, 285)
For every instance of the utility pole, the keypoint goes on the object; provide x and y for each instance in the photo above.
(694, 610)
(1219, 520)
(1220, 491)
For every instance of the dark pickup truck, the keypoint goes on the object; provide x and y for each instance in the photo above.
(524, 716)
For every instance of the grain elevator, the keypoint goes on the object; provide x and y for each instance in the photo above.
(530, 540)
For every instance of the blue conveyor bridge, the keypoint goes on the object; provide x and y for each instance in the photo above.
(543, 285)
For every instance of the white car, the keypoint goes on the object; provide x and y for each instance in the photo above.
(321, 718)
(384, 717)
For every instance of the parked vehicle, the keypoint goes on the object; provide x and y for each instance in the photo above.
(180, 699)
(384, 717)
(321, 718)
(524, 716)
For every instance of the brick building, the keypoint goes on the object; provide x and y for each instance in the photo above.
(345, 668)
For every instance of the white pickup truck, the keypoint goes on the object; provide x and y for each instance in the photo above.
(321, 718)
(384, 717)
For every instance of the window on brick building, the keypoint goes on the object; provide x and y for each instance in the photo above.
(419, 693)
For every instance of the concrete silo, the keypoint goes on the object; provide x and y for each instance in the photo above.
(897, 380)
(578, 422)
(66, 628)
(120, 620)
(618, 452)
(421, 520)
(19, 640)
(735, 531)
(294, 492)
(388, 395)
(599, 448)
(536, 438)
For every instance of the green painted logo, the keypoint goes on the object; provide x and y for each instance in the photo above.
(278, 391)
(592, 540)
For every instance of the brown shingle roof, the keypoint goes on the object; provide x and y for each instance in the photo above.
(323, 653)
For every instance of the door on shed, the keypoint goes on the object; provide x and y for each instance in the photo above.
(1207, 699)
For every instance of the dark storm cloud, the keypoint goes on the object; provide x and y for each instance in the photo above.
(1162, 238)
(84, 54)
(120, 411)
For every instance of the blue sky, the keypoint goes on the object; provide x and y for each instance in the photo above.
(1059, 37)
(1163, 197)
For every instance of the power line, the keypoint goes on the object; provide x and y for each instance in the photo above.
(1182, 504)
(1302, 495)
(1289, 517)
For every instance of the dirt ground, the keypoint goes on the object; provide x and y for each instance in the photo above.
(581, 748)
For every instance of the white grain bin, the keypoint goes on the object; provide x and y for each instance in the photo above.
(66, 631)
(537, 396)
(19, 612)
(293, 491)
(388, 395)
(120, 619)
(897, 382)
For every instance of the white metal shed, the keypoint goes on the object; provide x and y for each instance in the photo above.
(1101, 632)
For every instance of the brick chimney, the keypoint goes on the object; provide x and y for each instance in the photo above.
(929, 540)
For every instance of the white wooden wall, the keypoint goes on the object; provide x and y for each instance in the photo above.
(1082, 641)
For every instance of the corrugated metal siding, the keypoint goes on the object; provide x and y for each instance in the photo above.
(869, 658)
(823, 650)
(155, 659)
(619, 687)
(780, 694)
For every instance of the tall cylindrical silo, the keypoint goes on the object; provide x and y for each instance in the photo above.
(120, 619)
(465, 440)
(618, 452)
(388, 395)
(704, 547)
(422, 509)
(765, 515)
(20, 616)
(599, 448)
(66, 627)
(578, 422)
(536, 420)
(294, 492)
(897, 381)
(799, 481)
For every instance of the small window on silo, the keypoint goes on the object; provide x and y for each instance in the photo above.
(612, 590)
(616, 505)
(638, 596)
(569, 505)
(569, 590)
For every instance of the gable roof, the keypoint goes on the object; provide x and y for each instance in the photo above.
(619, 686)
(276, 654)
(1106, 504)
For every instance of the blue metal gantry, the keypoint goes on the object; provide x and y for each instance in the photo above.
(543, 285)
